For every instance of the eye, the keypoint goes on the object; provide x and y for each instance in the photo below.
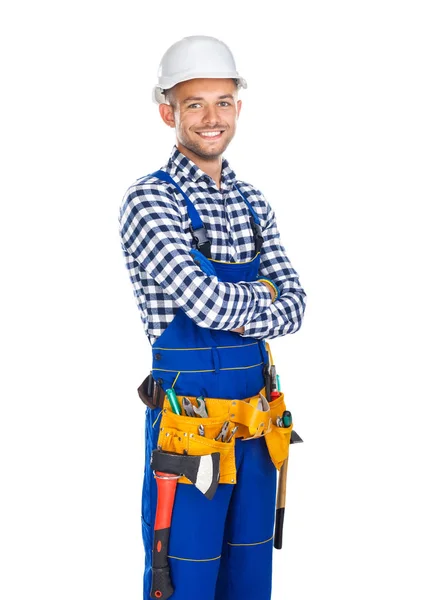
(225, 102)
(195, 104)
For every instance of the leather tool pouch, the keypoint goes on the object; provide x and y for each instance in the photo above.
(278, 439)
(151, 393)
(257, 423)
(180, 434)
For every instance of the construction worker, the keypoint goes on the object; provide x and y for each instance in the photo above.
(212, 282)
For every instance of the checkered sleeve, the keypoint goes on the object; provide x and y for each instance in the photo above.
(152, 233)
(285, 315)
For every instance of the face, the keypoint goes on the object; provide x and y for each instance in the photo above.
(204, 115)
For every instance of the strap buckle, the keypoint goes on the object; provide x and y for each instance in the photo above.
(202, 242)
(257, 231)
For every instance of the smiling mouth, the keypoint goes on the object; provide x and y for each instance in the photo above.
(210, 135)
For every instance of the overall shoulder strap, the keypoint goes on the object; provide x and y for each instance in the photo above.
(254, 220)
(197, 228)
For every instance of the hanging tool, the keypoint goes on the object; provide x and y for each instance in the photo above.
(151, 392)
(263, 404)
(275, 392)
(233, 433)
(272, 380)
(281, 492)
(287, 418)
(203, 472)
(150, 385)
(267, 379)
(223, 432)
(188, 407)
(201, 430)
(170, 393)
(166, 487)
(201, 409)
(161, 583)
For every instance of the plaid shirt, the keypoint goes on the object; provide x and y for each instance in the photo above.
(156, 241)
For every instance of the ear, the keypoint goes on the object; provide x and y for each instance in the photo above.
(166, 113)
(239, 106)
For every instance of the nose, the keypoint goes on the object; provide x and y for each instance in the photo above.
(210, 115)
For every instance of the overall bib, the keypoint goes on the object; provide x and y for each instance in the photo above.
(219, 549)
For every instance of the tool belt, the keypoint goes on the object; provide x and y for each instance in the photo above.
(180, 434)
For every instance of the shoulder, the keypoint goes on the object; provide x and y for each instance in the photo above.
(149, 192)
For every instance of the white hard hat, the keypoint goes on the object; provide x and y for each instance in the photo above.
(196, 56)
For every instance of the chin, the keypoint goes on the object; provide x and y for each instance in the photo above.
(213, 151)
(206, 152)
(216, 149)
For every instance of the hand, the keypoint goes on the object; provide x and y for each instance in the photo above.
(271, 289)
(239, 329)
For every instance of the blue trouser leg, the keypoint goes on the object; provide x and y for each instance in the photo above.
(149, 496)
(196, 538)
(246, 565)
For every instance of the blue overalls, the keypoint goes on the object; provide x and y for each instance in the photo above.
(219, 549)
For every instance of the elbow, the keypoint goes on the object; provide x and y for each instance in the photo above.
(299, 305)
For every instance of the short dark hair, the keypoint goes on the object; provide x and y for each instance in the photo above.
(169, 96)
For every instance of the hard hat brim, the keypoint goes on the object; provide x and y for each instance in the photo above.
(158, 95)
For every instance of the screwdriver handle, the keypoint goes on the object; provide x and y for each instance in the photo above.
(170, 393)
(287, 418)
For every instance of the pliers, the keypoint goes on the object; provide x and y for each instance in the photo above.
(188, 407)
(223, 432)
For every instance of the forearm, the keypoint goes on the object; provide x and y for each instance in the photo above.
(284, 316)
(274, 294)
(211, 303)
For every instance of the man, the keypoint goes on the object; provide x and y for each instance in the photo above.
(212, 282)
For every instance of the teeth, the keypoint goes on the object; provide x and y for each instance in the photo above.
(210, 133)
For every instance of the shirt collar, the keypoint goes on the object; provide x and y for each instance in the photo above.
(178, 162)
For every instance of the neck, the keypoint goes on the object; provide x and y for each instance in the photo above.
(212, 167)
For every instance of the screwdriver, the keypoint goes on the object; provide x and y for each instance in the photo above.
(170, 393)
(233, 433)
(287, 418)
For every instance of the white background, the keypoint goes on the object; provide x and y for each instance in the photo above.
(339, 130)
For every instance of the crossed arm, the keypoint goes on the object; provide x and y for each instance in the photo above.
(273, 294)
(151, 232)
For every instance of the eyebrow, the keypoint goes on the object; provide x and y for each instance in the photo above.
(191, 98)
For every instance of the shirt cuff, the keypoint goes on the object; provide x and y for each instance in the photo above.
(256, 329)
(272, 285)
(264, 298)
